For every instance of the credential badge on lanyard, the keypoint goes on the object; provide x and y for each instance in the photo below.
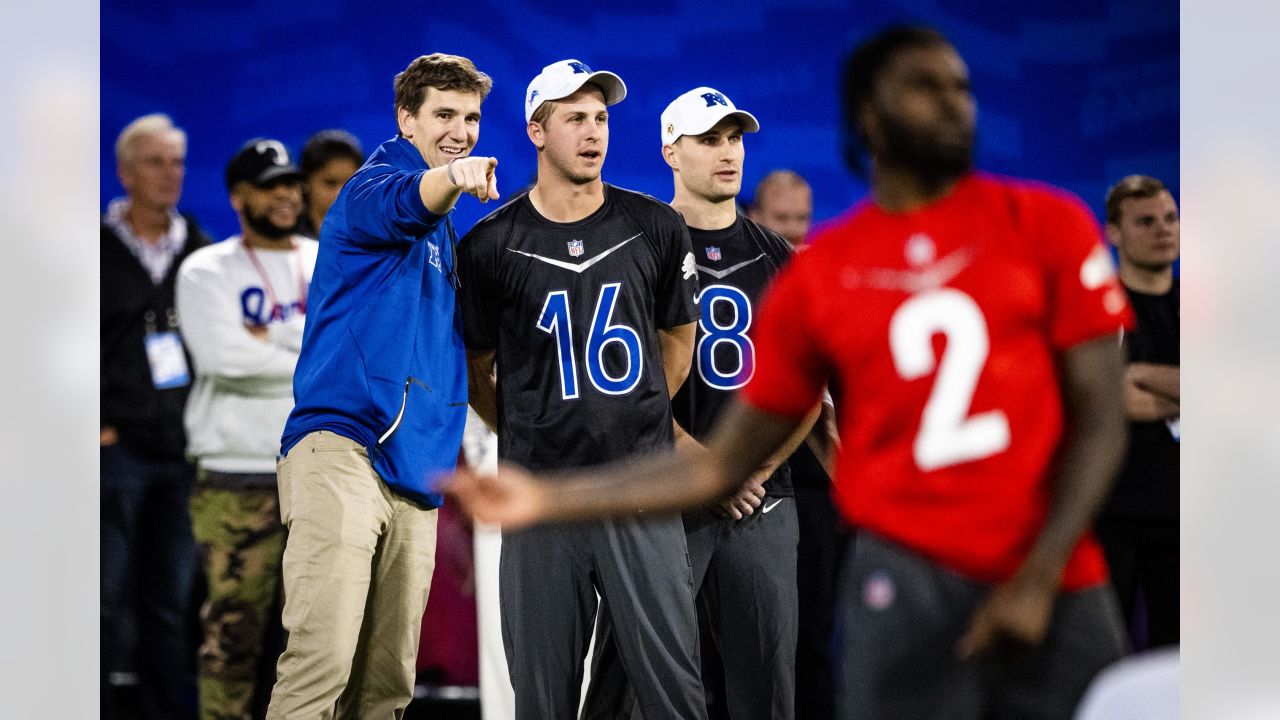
(164, 353)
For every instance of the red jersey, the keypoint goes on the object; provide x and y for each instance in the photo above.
(940, 329)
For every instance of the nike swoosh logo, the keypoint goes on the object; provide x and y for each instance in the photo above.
(935, 276)
(770, 506)
(575, 267)
(720, 274)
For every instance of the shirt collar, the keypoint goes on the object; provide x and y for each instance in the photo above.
(173, 239)
(403, 150)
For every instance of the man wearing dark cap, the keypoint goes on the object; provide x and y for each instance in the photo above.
(242, 303)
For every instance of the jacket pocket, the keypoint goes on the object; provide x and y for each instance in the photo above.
(409, 382)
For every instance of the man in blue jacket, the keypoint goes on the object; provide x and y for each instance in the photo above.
(381, 396)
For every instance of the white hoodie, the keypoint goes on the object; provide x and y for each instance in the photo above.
(243, 388)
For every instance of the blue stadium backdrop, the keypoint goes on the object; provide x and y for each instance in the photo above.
(1075, 93)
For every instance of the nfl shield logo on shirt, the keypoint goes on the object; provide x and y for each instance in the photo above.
(575, 248)
(713, 252)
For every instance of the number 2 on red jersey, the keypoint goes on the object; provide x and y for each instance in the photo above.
(948, 434)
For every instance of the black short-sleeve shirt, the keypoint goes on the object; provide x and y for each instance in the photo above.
(573, 311)
(735, 265)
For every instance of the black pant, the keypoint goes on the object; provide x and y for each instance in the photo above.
(548, 578)
(745, 579)
(1143, 555)
(824, 540)
(148, 568)
(903, 616)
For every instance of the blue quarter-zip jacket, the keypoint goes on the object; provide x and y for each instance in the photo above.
(382, 357)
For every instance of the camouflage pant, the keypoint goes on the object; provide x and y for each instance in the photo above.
(241, 543)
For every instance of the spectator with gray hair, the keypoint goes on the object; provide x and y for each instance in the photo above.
(148, 559)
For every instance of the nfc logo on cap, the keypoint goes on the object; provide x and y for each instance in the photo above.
(533, 96)
(280, 156)
(715, 98)
(579, 67)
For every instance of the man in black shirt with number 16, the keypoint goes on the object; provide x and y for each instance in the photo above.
(582, 295)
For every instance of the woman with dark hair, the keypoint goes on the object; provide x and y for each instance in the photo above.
(328, 159)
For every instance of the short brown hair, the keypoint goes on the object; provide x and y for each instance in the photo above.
(439, 71)
(543, 113)
(1133, 186)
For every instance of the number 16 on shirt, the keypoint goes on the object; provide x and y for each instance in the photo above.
(555, 320)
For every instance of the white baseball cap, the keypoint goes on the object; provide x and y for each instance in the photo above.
(562, 79)
(697, 111)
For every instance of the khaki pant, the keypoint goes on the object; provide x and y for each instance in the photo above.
(357, 570)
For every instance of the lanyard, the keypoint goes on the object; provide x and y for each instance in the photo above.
(266, 281)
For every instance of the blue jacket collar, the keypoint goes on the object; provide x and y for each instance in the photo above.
(403, 154)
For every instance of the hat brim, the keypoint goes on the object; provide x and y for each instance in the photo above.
(276, 174)
(614, 89)
(749, 124)
(612, 86)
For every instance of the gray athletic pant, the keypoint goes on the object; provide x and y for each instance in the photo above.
(548, 579)
(745, 577)
(902, 616)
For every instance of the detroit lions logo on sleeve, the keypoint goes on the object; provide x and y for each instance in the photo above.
(688, 267)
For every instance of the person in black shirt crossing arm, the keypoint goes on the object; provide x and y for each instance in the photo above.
(1139, 525)
(582, 296)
